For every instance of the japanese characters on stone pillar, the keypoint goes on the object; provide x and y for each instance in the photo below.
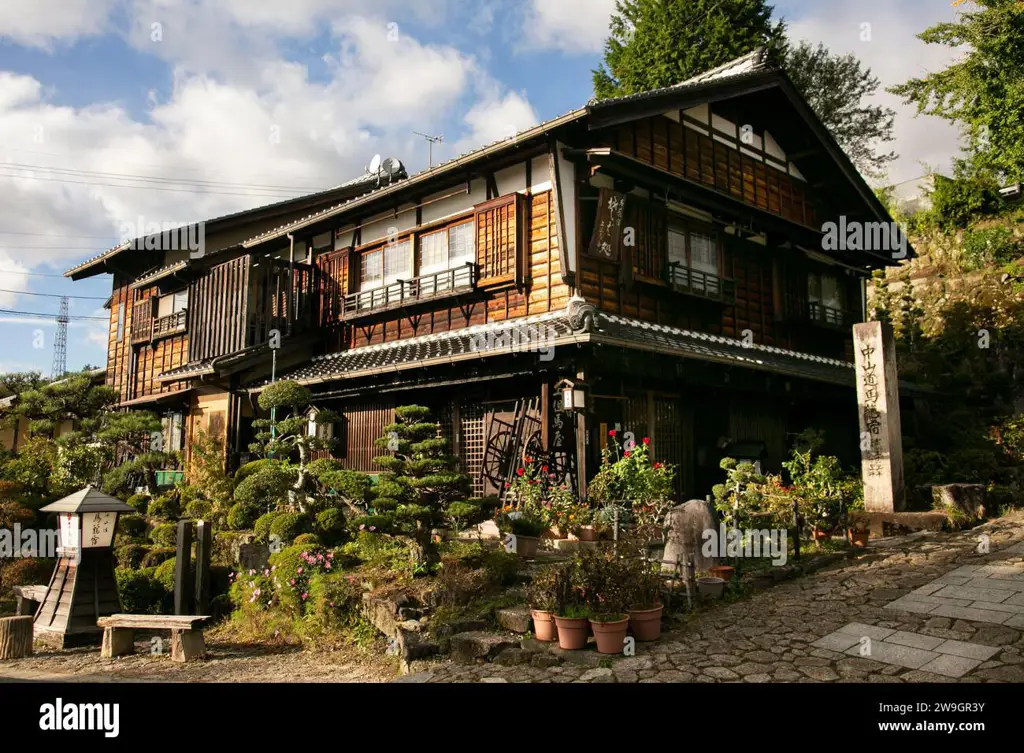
(878, 403)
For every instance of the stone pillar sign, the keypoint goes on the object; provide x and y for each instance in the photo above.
(878, 403)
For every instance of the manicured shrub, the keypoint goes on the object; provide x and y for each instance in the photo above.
(140, 502)
(334, 600)
(379, 552)
(307, 539)
(266, 488)
(330, 525)
(140, 592)
(133, 527)
(198, 509)
(157, 556)
(164, 535)
(130, 555)
(165, 574)
(262, 525)
(165, 506)
(255, 466)
(242, 516)
(287, 526)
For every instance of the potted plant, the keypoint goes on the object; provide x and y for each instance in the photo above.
(710, 586)
(527, 530)
(859, 533)
(571, 612)
(725, 572)
(645, 607)
(606, 579)
(541, 595)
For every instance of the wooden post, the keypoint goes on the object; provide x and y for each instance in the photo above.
(204, 546)
(15, 637)
(183, 569)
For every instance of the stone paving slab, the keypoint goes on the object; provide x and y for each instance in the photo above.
(950, 666)
(972, 594)
(914, 640)
(970, 613)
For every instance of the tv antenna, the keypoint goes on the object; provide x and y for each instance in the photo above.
(374, 168)
(431, 140)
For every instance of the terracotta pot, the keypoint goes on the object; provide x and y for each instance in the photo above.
(544, 628)
(526, 546)
(859, 538)
(585, 533)
(554, 533)
(610, 636)
(572, 632)
(820, 534)
(710, 586)
(725, 572)
(646, 623)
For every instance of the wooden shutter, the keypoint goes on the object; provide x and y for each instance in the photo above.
(650, 229)
(499, 241)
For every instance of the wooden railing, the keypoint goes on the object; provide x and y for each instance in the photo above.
(405, 292)
(827, 316)
(168, 325)
(694, 282)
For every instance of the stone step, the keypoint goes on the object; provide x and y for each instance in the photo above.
(466, 648)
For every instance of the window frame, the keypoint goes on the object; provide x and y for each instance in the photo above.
(687, 227)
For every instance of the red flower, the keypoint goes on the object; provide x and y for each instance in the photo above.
(647, 440)
(611, 432)
(657, 465)
(507, 484)
(627, 453)
(528, 460)
(544, 468)
(520, 471)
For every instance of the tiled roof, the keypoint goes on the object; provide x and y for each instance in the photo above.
(579, 323)
(158, 274)
(189, 370)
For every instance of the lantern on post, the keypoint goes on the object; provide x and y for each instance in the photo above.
(574, 395)
(83, 587)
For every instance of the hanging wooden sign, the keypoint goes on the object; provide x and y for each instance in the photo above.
(607, 237)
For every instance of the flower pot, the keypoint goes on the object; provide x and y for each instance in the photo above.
(572, 632)
(710, 586)
(526, 546)
(820, 534)
(610, 636)
(544, 628)
(725, 572)
(859, 538)
(554, 533)
(646, 623)
(585, 533)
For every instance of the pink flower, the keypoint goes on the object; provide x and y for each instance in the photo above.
(304, 595)
(272, 569)
(330, 555)
(327, 566)
(373, 528)
(305, 554)
(362, 527)
(292, 582)
(320, 556)
(351, 579)
(332, 603)
(299, 571)
(266, 571)
(252, 572)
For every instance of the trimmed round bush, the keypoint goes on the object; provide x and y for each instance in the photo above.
(165, 574)
(242, 516)
(140, 593)
(331, 521)
(309, 539)
(334, 599)
(133, 527)
(130, 555)
(140, 502)
(255, 466)
(198, 509)
(262, 525)
(157, 556)
(164, 535)
(166, 507)
(289, 525)
(266, 488)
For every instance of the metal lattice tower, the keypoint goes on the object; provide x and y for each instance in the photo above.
(60, 342)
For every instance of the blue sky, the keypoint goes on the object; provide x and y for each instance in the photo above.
(104, 104)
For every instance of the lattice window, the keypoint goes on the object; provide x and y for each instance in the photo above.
(473, 445)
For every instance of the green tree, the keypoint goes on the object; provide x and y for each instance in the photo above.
(74, 399)
(658, 43)
(288, 428)
(983, 89)
(420, 484)
(835, 86)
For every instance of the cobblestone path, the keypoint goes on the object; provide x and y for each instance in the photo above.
(780, 634)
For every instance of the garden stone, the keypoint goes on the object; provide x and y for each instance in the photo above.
(579, 658)
(514, 619)
(467, 647)
(686, 524)
(252, 556)
(544, 661)
(966, 499)
(532, 644)
(511, 657)
(601, 674)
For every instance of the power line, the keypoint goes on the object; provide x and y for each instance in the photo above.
(59, 235)
(55, 295)
(51, 316)
(152, 188)
(30, 274)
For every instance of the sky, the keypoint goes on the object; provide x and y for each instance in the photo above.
(118, 113)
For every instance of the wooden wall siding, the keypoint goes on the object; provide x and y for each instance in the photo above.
(669, 425)
(545, 291)
(649, 220)
(497, 239)
(217, 303)
(132, 371)
(750, 267)
(664, 143)
(365, 423)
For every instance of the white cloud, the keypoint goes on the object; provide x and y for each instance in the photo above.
(571, 26)
(41, 23)
(494, 118)
(894, 55)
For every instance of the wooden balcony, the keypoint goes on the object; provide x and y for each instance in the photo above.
(403, 293)
(172, 324)
(146, 327)
(832, 318)
(700, 284)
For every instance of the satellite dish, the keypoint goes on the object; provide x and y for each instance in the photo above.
(392, 166)
(374, 164)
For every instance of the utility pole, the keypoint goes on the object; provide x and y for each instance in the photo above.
(431, 140)
(60, 342)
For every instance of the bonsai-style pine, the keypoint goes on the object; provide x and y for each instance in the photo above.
(421, 485)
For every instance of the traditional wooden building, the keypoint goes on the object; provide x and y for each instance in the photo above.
(666, 250)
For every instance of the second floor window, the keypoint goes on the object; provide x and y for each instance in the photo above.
(445, 249)
(826, 290)
(692, 251)
(172, 303)
(371, 269)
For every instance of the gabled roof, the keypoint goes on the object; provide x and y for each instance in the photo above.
(87, 500)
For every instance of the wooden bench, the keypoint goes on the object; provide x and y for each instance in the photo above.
(186, 634)
(29, 595)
